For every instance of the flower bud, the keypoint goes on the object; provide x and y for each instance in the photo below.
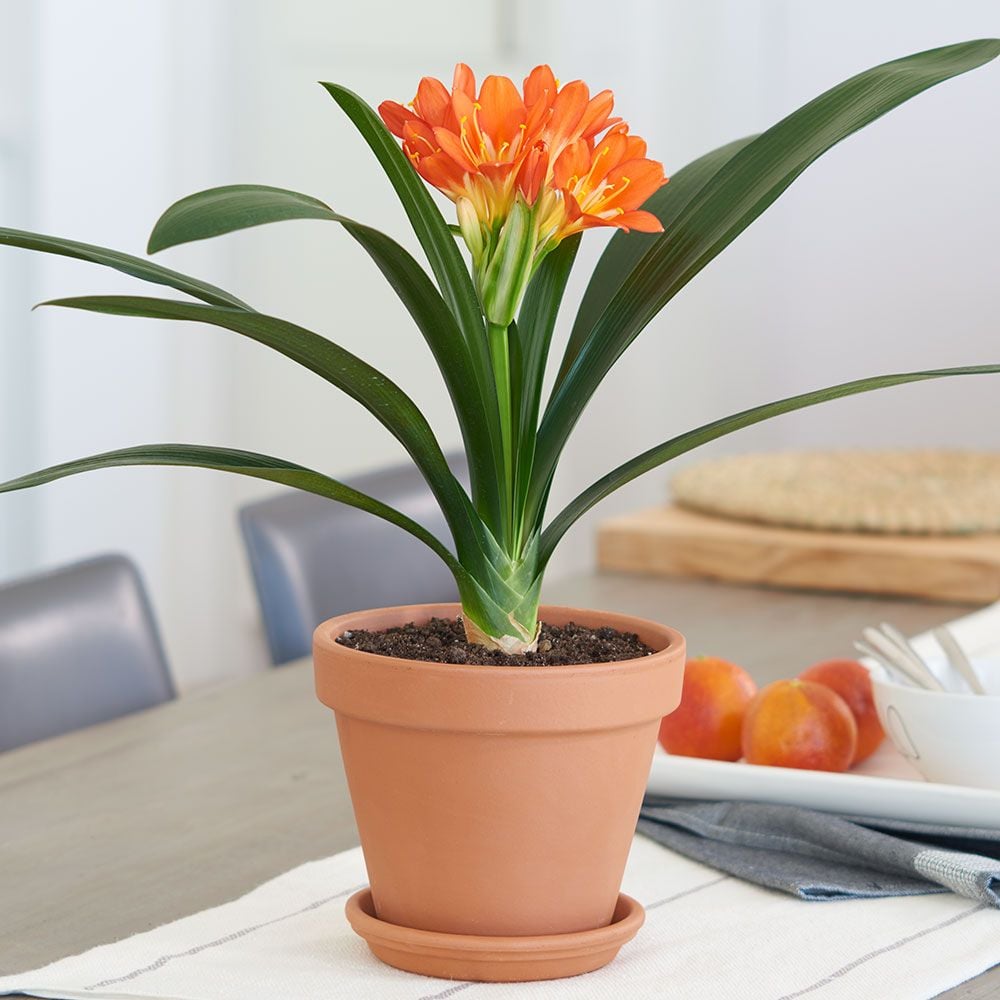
(509, 269)
(472, 233)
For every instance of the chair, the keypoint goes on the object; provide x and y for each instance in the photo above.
(314, 558)
(78, 646)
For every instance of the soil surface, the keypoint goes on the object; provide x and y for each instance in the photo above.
(442, 640)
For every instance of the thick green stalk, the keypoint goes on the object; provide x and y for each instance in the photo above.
(500, 607)
(500, 356)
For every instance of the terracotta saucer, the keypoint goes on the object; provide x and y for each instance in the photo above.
(493, 959)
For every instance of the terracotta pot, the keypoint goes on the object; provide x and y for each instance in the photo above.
(496, 800)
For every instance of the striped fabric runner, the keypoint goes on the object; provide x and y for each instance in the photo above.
(706, 936)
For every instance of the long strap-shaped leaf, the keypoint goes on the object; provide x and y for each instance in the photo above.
(475, 598)
(625, 250)
(136, 267)
(432, 232)
(478, 419)
(227, 209)
(664, 452)
(239, 206)
(535, 324)
(748, 183)
(425, 217)
(244, 463)
(376, 392)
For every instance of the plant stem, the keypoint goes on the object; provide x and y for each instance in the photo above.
(500, 604)
(500, 357)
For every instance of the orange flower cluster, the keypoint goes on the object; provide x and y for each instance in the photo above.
(556, 150)
(542, 144)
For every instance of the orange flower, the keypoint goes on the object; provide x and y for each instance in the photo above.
(555, 150)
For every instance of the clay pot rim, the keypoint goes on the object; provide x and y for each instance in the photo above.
(628, 917)
(418, 694)
(328, 631)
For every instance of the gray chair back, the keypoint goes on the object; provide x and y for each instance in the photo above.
(313, 558)
(78, 646)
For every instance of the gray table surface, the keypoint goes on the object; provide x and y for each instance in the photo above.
(122, 827)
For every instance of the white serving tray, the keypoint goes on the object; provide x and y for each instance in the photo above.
(884, 786)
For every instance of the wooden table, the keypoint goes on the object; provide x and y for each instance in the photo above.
(125, 826)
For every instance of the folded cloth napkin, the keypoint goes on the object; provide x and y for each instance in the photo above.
(706, 935)
(816, 855)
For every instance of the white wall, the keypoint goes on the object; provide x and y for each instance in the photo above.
(17, 356)
(121, 110)
(882, 257)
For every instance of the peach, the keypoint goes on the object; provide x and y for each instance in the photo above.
(854, 684)
(799, 724)
(708, 721)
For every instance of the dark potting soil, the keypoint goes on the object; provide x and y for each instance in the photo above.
(442, 640)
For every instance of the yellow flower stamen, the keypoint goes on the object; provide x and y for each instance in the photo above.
(464, 139)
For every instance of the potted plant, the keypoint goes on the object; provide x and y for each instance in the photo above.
(496, 801)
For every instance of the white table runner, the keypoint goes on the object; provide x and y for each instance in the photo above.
(706, 936)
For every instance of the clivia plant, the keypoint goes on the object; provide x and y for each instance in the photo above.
(528, 172)
(496, 805)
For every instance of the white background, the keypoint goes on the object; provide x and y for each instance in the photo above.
(882, 257)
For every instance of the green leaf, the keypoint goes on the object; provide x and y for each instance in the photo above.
(489, 600)
(244, 463)
(377, 393)
(477, 419)
(664, 452)
(625, 250)
(230, 208)
(518, 349)
(428, 223)
(227, 209)
(136, 267)
(737, 194)
(433, 234)
(535, 324)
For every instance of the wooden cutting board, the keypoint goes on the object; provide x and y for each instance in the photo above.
(672, 541)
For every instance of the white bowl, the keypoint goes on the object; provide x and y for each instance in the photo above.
(950, 736)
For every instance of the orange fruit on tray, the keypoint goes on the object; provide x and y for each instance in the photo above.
(800, 724)
(854, 684)
(709, 719)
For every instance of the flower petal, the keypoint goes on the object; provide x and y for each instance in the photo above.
(634, 181)
(573, 210)
(395, 116)
(443, 172)
(610, 151)
(640, 221)
(532, 173)
(497, 173)
(501, 111)
(450, 145)
(595, 116)
(464, 81)
(567, 110)
(572, 164)
(540, 85)
(420, 135)
(433, 102)
(587, 220)
(636, 148)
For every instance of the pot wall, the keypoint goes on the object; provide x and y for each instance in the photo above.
(496, 800)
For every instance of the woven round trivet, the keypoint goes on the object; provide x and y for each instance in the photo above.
(887, 492)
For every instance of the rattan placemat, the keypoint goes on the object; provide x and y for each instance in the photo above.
(887, 492)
